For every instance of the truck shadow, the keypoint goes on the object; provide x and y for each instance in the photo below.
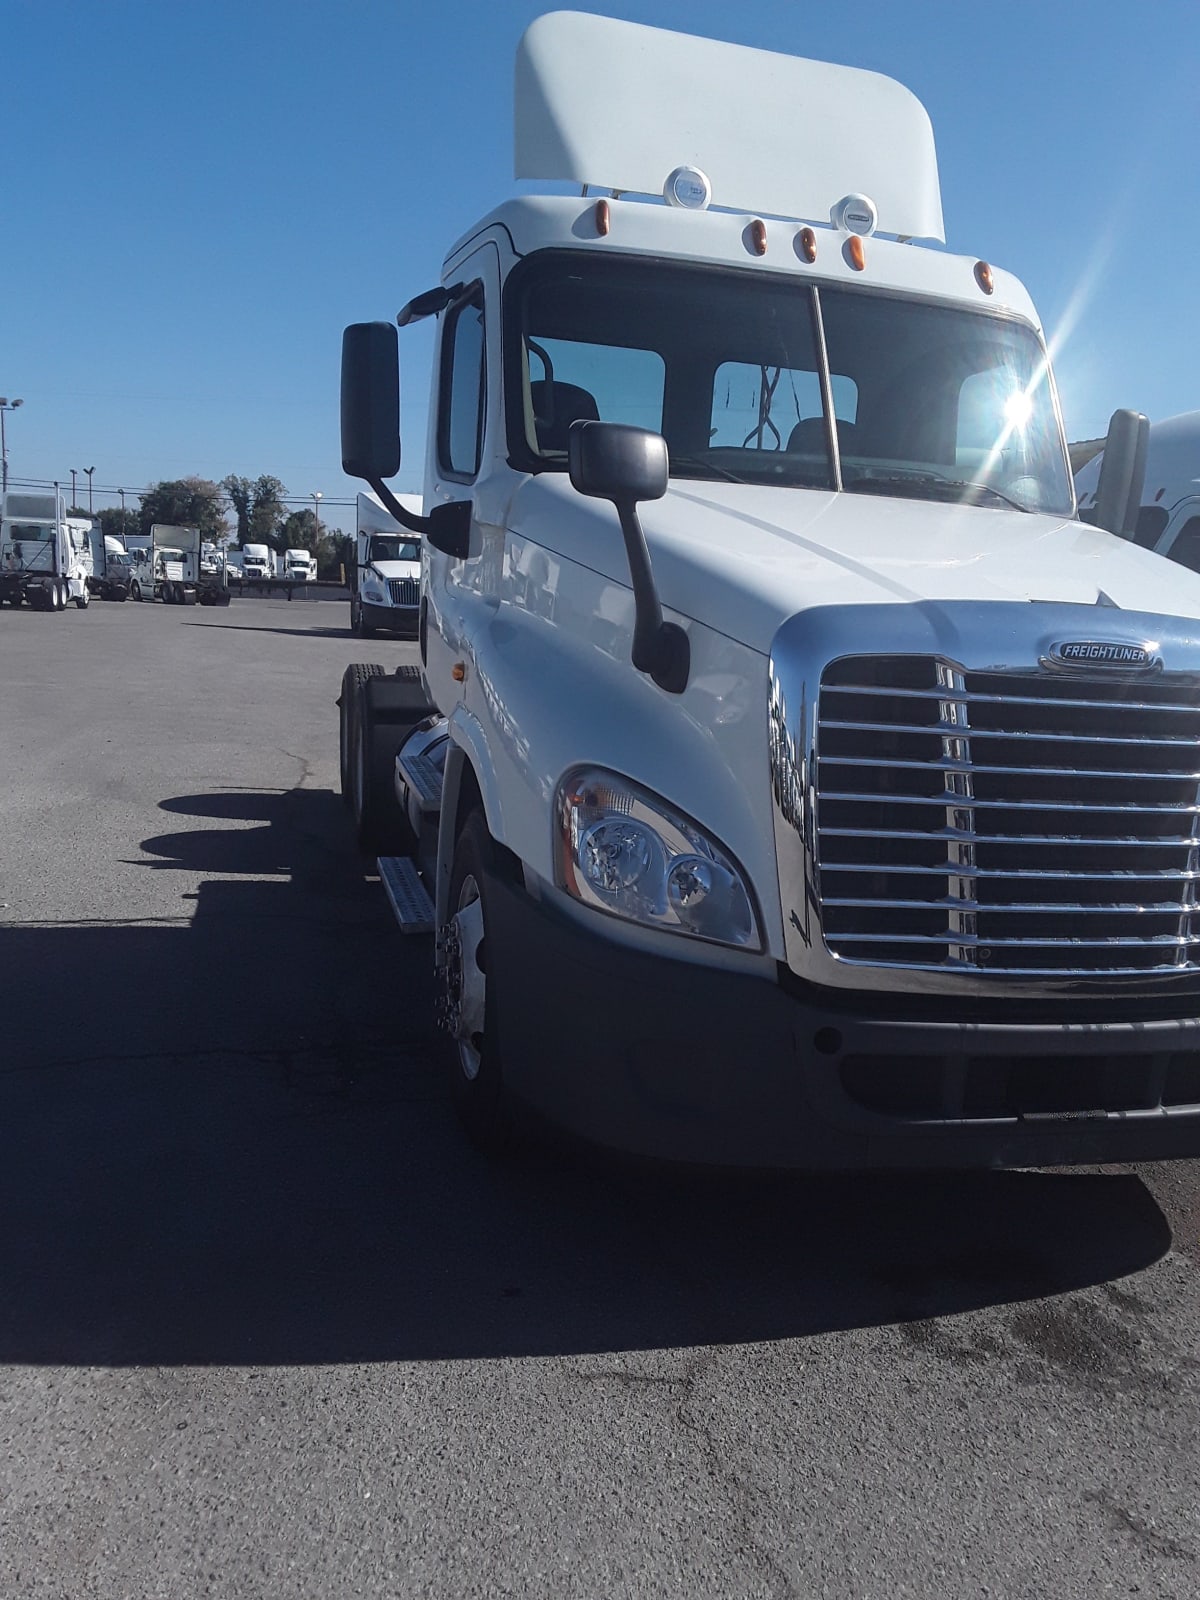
(237, 1147)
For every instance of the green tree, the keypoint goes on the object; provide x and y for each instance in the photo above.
(185, 503)
(113, 520)
(241, 496)
(267, 512)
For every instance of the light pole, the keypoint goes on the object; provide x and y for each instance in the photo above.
(89, 471)
(5, 405)
(121, 492)
(73, 472)
(317, 498)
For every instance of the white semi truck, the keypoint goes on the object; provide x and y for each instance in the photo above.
(45, 555)
(299, 566)
(386, 580)
(112, 570)
(790, 777)
(258, 562)
(167, 565)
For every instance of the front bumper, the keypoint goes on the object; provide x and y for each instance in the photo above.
(672, 1060)
(393, 619)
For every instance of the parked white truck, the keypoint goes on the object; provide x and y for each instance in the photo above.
(299, 566)
(45, 555)
(258, 561)
(386, 580)
(112, 570)
(795, 780)
(167, 565)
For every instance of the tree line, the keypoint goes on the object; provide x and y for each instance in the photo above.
(259, 516)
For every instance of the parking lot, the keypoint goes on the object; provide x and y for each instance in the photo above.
(269, 1327)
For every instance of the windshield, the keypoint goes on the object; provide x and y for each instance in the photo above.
(390, 547)
(929, 401)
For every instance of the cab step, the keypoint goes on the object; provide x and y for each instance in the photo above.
(409, 899)
(424, 780)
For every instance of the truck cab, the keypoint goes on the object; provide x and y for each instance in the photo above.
(386, 579)
(812, 788)
(45, 555)
(258, 561)
(299, 566)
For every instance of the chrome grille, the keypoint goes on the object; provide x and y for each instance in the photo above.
(1018, 823)
(404, 591)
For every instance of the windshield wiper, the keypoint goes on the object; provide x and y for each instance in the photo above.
(920, 479)
(704, 466)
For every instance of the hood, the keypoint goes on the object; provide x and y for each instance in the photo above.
(395, 569)
(743, 558)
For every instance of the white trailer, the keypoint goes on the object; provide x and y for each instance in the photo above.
(790, 777)
(45, 555)
(386, 580)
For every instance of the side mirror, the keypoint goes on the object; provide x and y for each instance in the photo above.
(611, 461)
(370, 401)
(1122, 473)
(448, 528)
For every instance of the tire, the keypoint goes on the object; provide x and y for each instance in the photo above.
(357, 626)
(474, 1058)
(348, 702)
(135, 590)
(83, 600)
(55, 599)
(380, 828)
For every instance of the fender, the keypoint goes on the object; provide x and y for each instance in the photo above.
(468, 748)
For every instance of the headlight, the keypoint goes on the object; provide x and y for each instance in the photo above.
(623, 850)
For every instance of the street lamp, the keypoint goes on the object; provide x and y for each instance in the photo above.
(73, 472)
(5, 405)
(89, 471)
(317, 498)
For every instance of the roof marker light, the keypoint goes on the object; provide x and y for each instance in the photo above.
(758, 236)
(603, 218)
(806, 244)
(689, 188)
(857, 214)
(856, 255)
(984, 278)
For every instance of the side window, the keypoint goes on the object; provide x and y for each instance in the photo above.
(462, 390)
(1186, 545)
(1151, 520)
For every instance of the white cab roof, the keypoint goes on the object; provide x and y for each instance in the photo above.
(621, 105)
(373, 518)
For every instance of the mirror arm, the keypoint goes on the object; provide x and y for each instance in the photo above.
(406, 519)
(660, 649)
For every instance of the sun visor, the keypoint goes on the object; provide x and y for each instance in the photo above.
(623, 106)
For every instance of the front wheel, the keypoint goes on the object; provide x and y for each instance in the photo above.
(468, 997)
(135, 590)
(83, 600)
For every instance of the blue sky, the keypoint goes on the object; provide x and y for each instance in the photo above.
(197, 197)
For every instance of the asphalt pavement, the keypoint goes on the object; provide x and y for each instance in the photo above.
(268, 1326)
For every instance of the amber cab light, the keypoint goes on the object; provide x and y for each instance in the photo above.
(806, 244)
(758, 236)
(603, 218)
(856, 252)
(983, 277)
